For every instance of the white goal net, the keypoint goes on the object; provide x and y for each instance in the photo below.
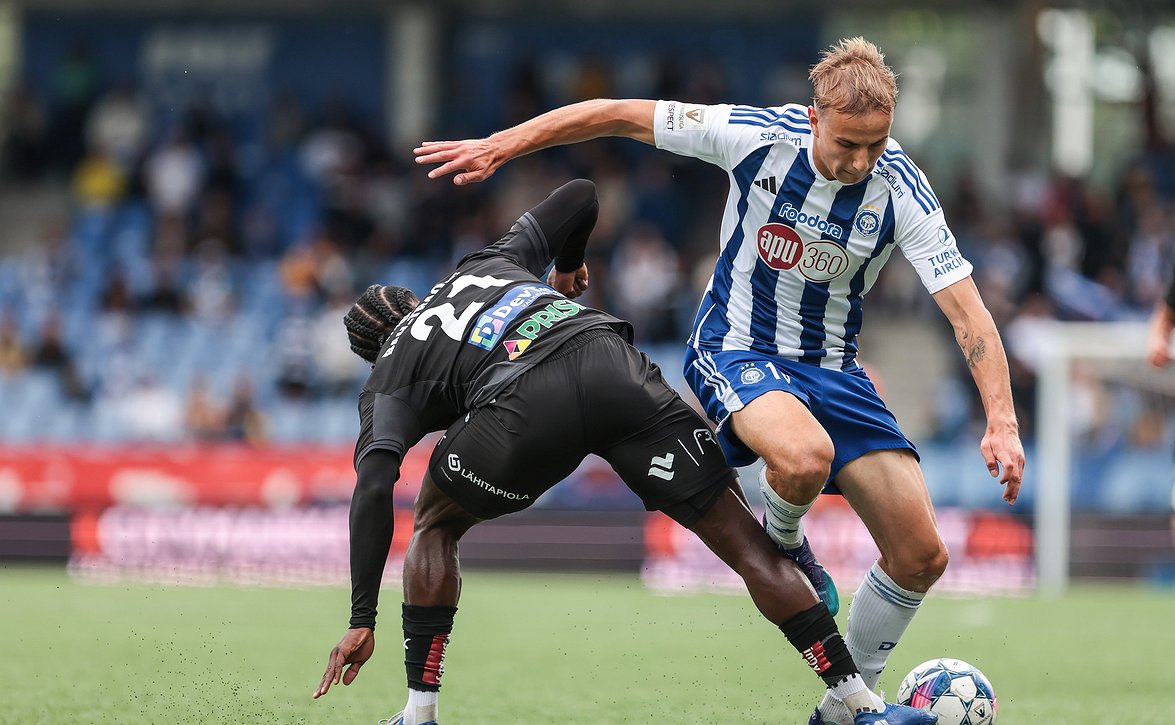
(1103, 460)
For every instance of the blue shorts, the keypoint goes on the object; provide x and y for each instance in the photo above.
(845, 403)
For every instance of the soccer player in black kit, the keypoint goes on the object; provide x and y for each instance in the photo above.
(526, 383)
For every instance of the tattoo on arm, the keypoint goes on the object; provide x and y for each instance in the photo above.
(976, 352)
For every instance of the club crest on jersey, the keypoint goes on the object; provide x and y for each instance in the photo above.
(867, 222)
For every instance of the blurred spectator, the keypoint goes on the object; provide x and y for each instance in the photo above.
(13, 355)
(165, 294)
(150, 411)
(204, 419)
(98, 181)
(49, 350)
(216, 222)
(1002, 269)
(285, 122)
(339, 368)
(1150, 256)
(293, 348)
(174, 174)
(244, 421)
(298, 271)
(211, 293)
(116, 294)
(644, 274)
(24, 154)
(224, 175)
(50, 353)
(1026, 337)
(333, 273)
(201, 122)
(315, 270)
(74, 87)
(331, 148)
(119, 126)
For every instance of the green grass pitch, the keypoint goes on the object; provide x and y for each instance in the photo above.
(534, 648)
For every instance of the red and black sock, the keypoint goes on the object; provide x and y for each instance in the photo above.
(813, 632)
(426, 634)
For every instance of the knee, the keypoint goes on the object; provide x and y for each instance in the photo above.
(804, 470)
(919, 568)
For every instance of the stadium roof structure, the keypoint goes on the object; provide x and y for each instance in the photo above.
(571, 9)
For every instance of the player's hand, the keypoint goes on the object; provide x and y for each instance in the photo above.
(1004, 455)
(569, 284)
(476, 159)
(1158, 338)
(354, 649)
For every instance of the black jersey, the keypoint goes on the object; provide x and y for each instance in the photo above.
(480, 328)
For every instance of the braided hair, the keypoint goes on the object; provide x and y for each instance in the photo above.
(374, 315)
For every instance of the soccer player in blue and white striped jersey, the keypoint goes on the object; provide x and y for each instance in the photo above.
(820, 196)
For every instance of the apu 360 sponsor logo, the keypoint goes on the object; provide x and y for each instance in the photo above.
(781, 247)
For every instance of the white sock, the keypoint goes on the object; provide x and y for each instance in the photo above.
(879, 614)
(784, 524)
(855, 696)
(835, 712)
(421, 707)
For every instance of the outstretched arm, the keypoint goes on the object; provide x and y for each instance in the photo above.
(475, 160)
(1162, 322)
(976, 333)
(1158, 338)
(371, 524)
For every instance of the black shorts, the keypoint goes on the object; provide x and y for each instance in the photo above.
(596, 395)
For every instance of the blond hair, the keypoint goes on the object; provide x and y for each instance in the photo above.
(852, 78)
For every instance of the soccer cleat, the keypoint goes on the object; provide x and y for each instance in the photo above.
(398, 719)
(895, 715)
(804, 558)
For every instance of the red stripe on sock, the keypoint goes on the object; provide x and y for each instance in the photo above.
(434, 664)
(816, 658)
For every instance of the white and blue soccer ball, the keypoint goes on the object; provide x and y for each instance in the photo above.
(958, 692)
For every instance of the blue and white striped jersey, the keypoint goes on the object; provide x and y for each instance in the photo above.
(798, 251)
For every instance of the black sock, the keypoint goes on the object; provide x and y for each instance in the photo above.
(426, 634)
(813, 632)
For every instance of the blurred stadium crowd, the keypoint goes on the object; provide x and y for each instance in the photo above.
(196, 287)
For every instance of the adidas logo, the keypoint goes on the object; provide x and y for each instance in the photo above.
(662, 467)
(768, 184)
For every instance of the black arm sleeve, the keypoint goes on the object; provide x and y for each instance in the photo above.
(371, 525)
(1170, 296)
(557, 228)
(566, 219)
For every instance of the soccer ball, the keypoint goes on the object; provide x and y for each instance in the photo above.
(959, 693)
